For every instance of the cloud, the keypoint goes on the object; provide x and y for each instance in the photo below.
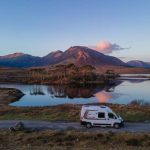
(107, 47)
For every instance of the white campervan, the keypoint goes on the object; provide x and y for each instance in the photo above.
(99, 116)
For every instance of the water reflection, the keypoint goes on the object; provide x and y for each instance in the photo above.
(64, 91)
(137, 80)
(36, 90)
(42, 95)
(59, 94)
(106, 94)
(139, 103)
(103, 97)
(71, 92)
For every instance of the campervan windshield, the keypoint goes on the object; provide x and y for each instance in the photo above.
(112, 115)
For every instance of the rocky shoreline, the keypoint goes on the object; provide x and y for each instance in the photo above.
(8, 95)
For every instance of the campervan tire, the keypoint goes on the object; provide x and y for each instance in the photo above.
(88, 125)
(116, 125)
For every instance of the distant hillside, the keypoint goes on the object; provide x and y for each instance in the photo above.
(17, 60)
(12, 55)
(140, 64)
(24, 60)
(51, 58)
(78, 55)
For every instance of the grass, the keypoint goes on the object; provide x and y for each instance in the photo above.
(71, 112)
(72, 139)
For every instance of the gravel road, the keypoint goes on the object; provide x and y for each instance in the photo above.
(42, 125)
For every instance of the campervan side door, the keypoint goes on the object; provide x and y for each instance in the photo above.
(111, 118)
(101, 119)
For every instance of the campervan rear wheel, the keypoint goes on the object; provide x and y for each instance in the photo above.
(88, 125)
(116, 125)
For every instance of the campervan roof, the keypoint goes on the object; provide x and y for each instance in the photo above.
(96, 108)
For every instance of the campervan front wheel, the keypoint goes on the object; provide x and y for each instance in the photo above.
(88, 125)
(116, 125)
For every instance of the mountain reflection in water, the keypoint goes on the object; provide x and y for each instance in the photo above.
(124, 92)
(72, 92)
(36, 90)
(102, 93)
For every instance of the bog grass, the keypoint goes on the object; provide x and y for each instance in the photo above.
(71, 112)
(72, 139)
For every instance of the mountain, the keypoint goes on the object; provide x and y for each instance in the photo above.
(81, 55)
(52, 57)
(138, 63)
(78, 55)
(12, 55)
(19, 60)
(22, 60)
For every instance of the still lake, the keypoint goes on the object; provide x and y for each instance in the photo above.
(124, 92)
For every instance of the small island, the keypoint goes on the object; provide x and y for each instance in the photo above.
(69, 74)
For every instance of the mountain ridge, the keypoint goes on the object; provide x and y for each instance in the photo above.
(139, 64)
(13, 55)
(79, 55)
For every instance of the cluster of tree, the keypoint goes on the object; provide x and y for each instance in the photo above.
(69, 73)
(64, 73)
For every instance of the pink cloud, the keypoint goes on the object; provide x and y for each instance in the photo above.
(107, 47)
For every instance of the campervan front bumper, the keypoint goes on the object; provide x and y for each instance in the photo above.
(122, 124)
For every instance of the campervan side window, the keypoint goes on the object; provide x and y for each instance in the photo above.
(101, 115)
(111, 116)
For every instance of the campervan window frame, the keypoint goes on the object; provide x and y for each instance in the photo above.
(101, 118)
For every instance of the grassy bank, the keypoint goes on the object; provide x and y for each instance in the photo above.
(71, 139)
(70, 112)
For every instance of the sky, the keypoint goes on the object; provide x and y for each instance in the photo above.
(119, 28)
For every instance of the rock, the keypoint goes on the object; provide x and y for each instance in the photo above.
(18, 127)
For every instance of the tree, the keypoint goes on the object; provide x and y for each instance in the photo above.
(87, 72)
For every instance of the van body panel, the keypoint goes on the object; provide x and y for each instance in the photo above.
(99, 116)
